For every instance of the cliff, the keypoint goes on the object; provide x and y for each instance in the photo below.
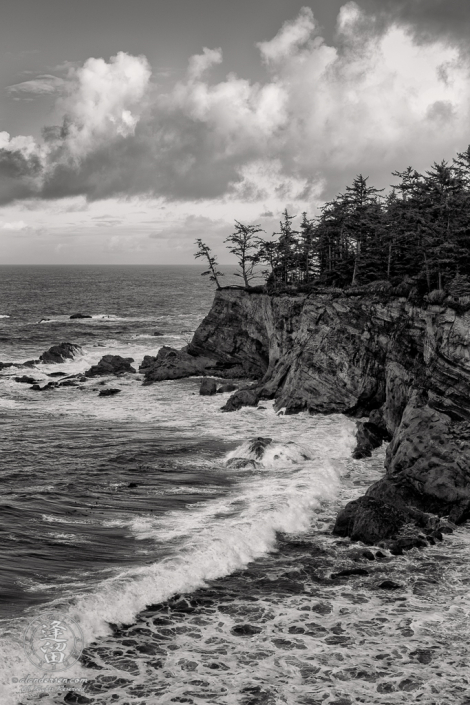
(406, 367)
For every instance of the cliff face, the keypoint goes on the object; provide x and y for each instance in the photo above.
(405, 366)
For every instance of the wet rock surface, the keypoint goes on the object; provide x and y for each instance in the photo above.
(59, 353)
(362, 353)
(208, 387)
(111, 365)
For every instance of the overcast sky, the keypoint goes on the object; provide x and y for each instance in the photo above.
(127, 130)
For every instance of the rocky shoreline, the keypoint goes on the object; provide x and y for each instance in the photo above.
(405, 366)
(401, 367)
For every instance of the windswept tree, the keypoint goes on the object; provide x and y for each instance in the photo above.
(212, 272)
(245, 245)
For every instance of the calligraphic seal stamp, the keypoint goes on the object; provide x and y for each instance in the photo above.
(52, 642)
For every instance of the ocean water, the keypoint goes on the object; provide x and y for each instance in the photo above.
(191, 580)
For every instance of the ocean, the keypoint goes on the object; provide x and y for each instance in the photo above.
(189, 579)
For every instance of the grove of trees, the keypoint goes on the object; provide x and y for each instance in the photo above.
(419, 230)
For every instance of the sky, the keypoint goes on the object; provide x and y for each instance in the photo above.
(128, 130)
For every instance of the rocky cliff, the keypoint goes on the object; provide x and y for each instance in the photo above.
(405, 366)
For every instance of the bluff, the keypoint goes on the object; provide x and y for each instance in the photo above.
(365, 354)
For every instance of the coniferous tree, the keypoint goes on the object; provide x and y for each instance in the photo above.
(244, 244)
(205, 252)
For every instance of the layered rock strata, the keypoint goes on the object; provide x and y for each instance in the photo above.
(405, 366)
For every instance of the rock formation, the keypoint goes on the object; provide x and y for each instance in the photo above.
(405, 364)
(60, 353)
(111, 365)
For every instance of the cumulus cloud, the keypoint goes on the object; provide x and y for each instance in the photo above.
(42, 85)
(371, 103)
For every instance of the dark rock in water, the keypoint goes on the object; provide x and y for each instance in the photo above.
(172, 364)
(79, 315)
(226, 388)
(4, 365)
(132, 485)
(68, 383)
(350, 571)
(369, 436)
(73, 698)
(369, 555)
(111, 365)
(26, 380)
(158, 333)
(208, 387)
(29, 363)
(245, 630)
(239, 463)
(406, 544)
(369, 520)
(244, 397)
(59, 353)
(109, 392)
(389, 585)
(57, 374)
(47, 387)
(258, 446)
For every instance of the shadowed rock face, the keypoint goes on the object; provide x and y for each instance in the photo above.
(60, 353)
(407, 367)
(111, 365)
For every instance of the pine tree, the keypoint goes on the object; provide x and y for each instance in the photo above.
(205, 251)
(245, 246)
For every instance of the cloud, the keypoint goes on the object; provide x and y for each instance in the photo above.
(15, 225)
(42, 85)
(191, 227)
(373, 102)
(199, 63)
(287, 42)
(426, 19)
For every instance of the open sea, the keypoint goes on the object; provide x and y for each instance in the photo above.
(191, 581)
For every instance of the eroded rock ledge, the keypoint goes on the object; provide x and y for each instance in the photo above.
(404, 366)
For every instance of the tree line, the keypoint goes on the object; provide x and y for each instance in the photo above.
(420, 230)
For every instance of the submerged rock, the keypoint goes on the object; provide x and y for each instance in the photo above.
(208, 387)
(59, 353)
(245, 630)
(226, 388)
(109, 392)
(111, 365)
(79, 315)
(26, 380)
(239, 463)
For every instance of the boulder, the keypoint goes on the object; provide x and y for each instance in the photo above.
(57, 374)
(224, 388)
(170, 363)
(111, 365)
(26, 380)
(244, 397)
(258, 446)
(369, 520)
(109, 392)
(158, 333)
(59, 353)
(369, 436)
(208, 387)
(239, 463)
(79, 315)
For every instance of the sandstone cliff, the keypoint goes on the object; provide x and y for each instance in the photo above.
(405, 366)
